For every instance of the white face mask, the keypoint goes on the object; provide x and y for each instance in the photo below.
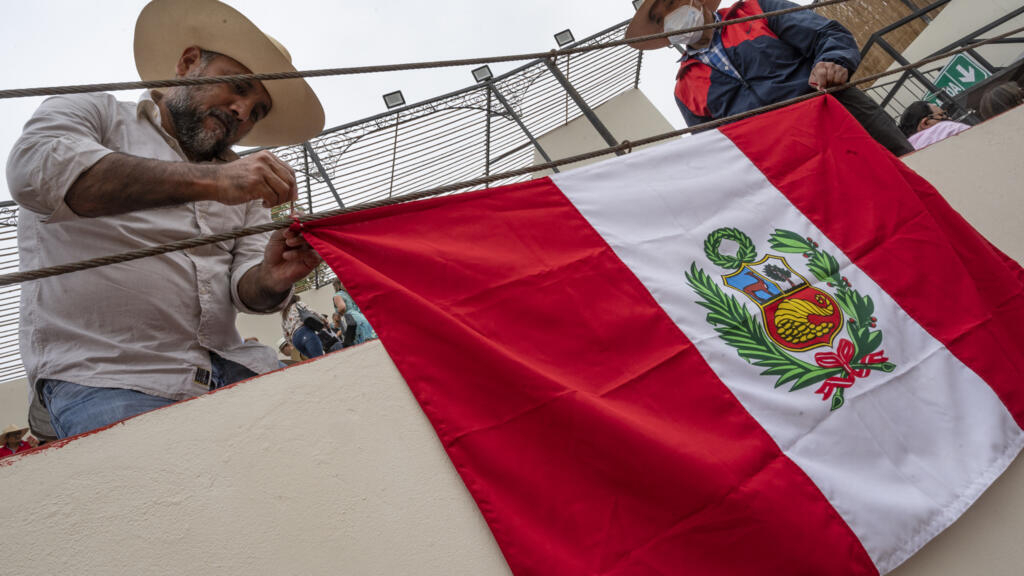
(681, 18)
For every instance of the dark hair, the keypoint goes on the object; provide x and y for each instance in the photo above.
(912, 117)
(284, 311)
(1000, 99)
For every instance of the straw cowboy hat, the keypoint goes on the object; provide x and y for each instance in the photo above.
(643, 25)
(12, 429)
(166, 27)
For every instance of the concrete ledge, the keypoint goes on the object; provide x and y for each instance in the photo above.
(327, 467)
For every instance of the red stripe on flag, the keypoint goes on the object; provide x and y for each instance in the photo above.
(897, 228)
(590, 431)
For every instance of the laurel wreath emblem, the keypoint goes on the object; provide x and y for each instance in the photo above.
(741, 330)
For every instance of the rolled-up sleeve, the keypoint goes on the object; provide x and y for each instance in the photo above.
(248, 253)
(63, 139)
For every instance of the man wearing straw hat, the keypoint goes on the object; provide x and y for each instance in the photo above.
(745, 66)
(11, 441)
(95, 176)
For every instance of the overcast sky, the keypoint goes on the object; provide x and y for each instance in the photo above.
(59, 42)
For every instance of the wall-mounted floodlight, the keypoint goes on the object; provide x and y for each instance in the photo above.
(394, 99)
(637, 4)
(564, 38)
(482, 74)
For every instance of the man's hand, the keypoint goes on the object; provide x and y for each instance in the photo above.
(828, 74)
(286, 260)
(259, 176)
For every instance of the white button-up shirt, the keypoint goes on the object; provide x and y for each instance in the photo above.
(145, 325)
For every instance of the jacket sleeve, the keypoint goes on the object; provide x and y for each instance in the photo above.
(691, 118)
(813, 35)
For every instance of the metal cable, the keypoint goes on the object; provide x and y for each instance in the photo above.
(625, 146)
(199, 81)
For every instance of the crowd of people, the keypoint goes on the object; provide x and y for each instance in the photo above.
(95, 176)
(309, 334)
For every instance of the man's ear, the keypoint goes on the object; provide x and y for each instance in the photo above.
(190, 59)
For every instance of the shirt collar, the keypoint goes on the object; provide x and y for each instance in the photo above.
(147, 106)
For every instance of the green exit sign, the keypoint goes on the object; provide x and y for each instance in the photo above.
(960, 73)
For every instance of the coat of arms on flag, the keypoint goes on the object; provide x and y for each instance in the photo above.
(795, 315)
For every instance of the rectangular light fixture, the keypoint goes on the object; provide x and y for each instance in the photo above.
(564, 38)
(482, 74)
(394, 99)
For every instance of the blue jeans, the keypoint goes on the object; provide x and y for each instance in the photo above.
(307, 342)
(75, 409)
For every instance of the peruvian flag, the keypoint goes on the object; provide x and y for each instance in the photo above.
(768, 349)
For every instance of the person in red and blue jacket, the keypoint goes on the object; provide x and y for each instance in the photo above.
(748, 65)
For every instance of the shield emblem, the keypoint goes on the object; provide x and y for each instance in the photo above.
(796, 315)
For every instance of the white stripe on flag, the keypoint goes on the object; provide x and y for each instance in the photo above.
(910, 451)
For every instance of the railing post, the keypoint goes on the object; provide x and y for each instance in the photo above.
(594, 120)
(323, 173)
(394, 156)
(508, 108)
(487, 136)
(309, 189)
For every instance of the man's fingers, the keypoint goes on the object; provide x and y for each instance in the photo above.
(285, 173)
(817, 78)
(293, 238)
(835, 75)
(307, 256)
(276, 191)
(828, 74)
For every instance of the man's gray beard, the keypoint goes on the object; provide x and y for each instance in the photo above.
(196, 141)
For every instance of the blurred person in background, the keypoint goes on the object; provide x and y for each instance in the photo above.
(357, 327)
(13, 443)
(999, 99)
(291, 355)
(925, 124)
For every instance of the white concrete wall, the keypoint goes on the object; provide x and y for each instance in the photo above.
(330, 467)
(628, 116)
(980, 172)
(14, 403)
(961, 17)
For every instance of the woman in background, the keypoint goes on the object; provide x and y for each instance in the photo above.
(999, 99)
(295, 331)
(349, 311)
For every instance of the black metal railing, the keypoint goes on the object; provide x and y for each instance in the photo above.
(915, 85)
